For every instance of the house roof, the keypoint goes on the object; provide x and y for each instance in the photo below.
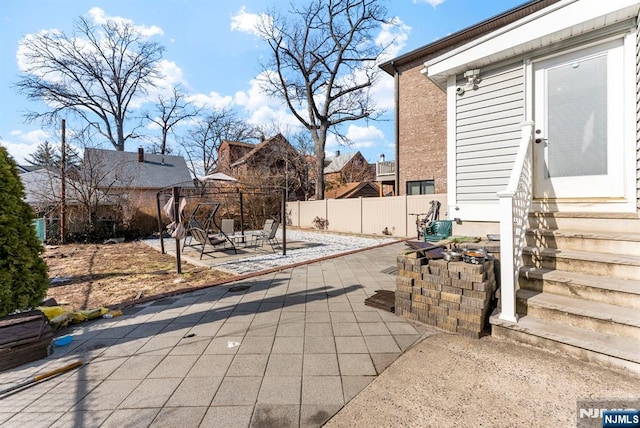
(239, 143)
(467, 34)
(351, 190)
(122, 169)
(257, 147)
(42, 188)
(336, 163)
(28, 168)
(538, 31)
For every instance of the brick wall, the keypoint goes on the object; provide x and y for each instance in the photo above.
(423, 129)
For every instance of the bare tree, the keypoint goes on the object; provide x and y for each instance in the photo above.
(323, 66)
(95, 73)
(203, 141)
(169, 111)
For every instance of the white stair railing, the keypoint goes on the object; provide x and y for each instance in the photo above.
(515, 202)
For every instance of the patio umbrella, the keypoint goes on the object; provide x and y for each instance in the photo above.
(217, 176)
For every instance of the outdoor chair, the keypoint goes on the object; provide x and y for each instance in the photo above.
(227, 226)
(203, 239)
(227, 230)
(266, 229)
(269, 237)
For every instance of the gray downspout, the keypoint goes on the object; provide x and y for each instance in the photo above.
(396, 126)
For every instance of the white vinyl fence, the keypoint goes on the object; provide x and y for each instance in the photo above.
(368, 216)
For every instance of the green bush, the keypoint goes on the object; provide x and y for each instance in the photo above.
(23, 272)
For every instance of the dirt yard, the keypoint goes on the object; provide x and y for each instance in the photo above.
(86, 276)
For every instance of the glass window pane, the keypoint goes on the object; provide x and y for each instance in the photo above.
(577, 121)
(413, 188)
(428, 187)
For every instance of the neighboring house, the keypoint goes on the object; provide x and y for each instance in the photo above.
(42, 189)
(125, 171)
(135, 179)
(110, 187)
(230, 152)
(543, 146)
(272, 162)
(343, 168)
(28, 168)
(363, 189)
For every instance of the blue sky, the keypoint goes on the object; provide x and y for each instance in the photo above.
(212, 53)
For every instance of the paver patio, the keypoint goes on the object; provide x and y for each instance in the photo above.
(290, 350)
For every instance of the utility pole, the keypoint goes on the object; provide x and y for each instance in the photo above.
(63, 184)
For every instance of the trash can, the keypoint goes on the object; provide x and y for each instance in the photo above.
(41, 230)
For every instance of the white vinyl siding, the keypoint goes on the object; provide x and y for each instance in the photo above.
(638, 117)
(488, 121)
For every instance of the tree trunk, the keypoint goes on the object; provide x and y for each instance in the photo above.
(120, 130)
(320, 141)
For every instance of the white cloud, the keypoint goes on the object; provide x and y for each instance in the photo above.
(360, 137)
(249, 22)
(254, 97)
(171, 75)
(212, 100)
(433, 3)
(23, 144)
(394, 36)
(99, 16)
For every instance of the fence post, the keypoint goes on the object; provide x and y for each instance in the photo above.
(284, 221)
(406, 216)
(361, 216)
(326, 212)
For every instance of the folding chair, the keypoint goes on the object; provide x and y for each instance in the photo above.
(227, 230)
(227, 226)
(266, 229)
(269, 237)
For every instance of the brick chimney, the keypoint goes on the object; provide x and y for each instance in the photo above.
(140, 154)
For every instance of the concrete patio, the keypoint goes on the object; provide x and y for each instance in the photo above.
(298, 348)
(288, 348)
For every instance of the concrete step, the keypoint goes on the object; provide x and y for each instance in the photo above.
(584, 344)
(614, 291)
(595, 316)
(593, 263)
(581, 240)
(595, 222)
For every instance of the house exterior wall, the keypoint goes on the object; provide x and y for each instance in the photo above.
(422, 140)
(638, 113)
(332, 179)
(228, 153)
(488, 131)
